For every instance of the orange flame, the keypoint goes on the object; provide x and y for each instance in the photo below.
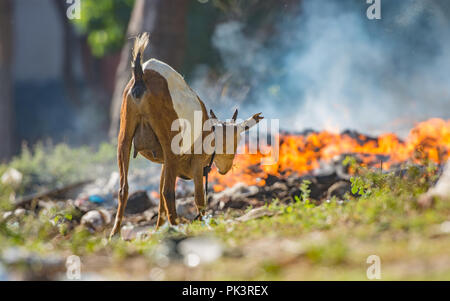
(301, 154)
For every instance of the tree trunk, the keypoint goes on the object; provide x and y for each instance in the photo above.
(69, 44)
(6, 89)
(165, 20)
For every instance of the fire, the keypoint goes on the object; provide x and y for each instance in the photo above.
(301, 154)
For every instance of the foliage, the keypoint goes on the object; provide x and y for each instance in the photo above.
(47, 166)
(104, 22)
(304, 188)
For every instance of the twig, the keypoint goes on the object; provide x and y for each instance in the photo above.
(25, 200)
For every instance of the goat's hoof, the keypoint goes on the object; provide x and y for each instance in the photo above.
(200, 216)
(183, 220)
(114, 235)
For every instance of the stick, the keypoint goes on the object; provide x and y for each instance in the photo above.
(25, 200)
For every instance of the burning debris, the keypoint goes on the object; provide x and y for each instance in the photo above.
(302, 154)
(319, 164)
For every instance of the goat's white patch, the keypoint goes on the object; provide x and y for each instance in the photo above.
(185, 101)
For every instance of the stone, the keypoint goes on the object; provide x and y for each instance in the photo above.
(27, 265)
(339, 189)
(12, 177)
(96, 220)
(20, 212)
(441, 189)
(198, 250)
(255, 213)
(138, 202)
(186, 208)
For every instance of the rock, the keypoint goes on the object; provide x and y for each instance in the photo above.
(157, 274)
(326, 178)
(271, 179)
(47, 205)
(234, 197)
(84, 204)
(339, 189)
(32, 266)
(186, 208)
(237, 204)
(146, 218)
(445, 227)
(198, 250)
(138, 202)
(7, 215)
(12, 177)
(255, 213)
(441, 189)
(341, 170)
(167, 251)
(128, 232)
(426, 201)
(3, 273)
(279, 187)
(295, 191)
(20, 212)
(96, 220)
(184, 188)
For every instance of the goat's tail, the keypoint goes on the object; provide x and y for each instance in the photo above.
(140, 43)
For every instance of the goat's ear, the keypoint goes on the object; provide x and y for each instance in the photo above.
(235, 115)
(247, 124)
(213, 115)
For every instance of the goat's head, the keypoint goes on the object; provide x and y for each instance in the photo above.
(227, 137)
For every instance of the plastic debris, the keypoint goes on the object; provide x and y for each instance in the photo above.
(96, 199)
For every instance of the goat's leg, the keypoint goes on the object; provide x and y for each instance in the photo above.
(199, 194)
(127, 128)
(124, 159)
(169, 194)
(161, 208)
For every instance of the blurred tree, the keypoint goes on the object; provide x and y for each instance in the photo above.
(104, 23)
(97, 36)
(70, 43)
(165, 20)
(6, 97)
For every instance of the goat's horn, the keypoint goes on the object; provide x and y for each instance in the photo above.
(212, 114)
(247, 124)
(235, 115)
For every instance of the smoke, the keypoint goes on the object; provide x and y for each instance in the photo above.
(331, 68)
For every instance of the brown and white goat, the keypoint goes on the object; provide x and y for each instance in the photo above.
(154, 98)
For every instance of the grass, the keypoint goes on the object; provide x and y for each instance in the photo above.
(300, 241)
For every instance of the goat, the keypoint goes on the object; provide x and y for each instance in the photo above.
(153, 99)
